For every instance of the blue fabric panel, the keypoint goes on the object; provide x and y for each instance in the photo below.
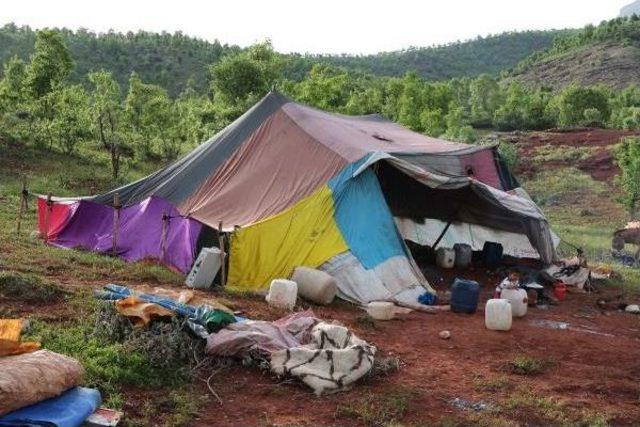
(363, 216)
(70, 409)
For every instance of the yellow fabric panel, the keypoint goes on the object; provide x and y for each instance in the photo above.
(10, 331)
(305, 234)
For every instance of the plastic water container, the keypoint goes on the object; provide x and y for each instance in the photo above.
(315, 285)
(464, 296)
(518, 299)
(445, 257)
(464, 253)
(283, 294)
(497, 315)
(492, 254)
(205, 268)
(381, 310)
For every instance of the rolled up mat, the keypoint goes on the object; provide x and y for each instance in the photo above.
(29, 378)
(70, 409)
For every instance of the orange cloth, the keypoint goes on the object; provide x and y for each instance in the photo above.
(140, 312)
(10, 331)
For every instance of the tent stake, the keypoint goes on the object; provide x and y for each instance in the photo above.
(116, 224)
(223, 271)
(47, 214)
(23, 205)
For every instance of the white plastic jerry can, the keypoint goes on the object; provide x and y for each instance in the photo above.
(445, 257)
(283, 294)
(518, 299)
(497, 315)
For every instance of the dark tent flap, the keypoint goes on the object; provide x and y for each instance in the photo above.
(413, 192)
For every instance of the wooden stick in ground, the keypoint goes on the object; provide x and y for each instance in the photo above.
(23, 205)
(116, 224)
(47, 214)
(163, 236)
(223, 267)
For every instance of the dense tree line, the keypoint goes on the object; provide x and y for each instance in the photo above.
(176, 61)
(40, 104)
(173, 61)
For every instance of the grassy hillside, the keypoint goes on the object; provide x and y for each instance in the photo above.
(604, 55)
(174, 60)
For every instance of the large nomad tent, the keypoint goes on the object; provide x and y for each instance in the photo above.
(294, 186)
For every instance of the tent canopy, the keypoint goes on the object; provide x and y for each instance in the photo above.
(305, 186)
(279, 152)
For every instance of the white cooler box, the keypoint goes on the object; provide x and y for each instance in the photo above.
(205, 268)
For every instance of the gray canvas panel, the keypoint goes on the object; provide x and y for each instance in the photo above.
(177, 181)
(442, 164)
(463, 202)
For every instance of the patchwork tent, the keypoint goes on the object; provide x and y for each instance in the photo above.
(293, 186)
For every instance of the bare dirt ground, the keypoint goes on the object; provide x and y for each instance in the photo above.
(591, 370)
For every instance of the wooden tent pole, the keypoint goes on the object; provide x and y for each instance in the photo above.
(23, 204)
(47, 214)
(116, 224)
(446, 228)
(163, 235)
(223, 267)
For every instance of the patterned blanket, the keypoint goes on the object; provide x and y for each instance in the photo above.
(333, 360)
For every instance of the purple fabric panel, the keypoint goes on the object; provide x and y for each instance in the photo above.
(139, 235)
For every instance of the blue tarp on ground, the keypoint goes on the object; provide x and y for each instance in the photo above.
(70, 409)
(363, 216)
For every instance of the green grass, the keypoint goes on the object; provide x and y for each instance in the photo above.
(110, 364)
(551, 410)
(28, 288)
(564, 187)
(525, 365)
(381, 409)
(562, 153)
(565, 195)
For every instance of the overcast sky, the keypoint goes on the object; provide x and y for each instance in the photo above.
(318, 26)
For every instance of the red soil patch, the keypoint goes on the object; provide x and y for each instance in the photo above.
(594, 368)
(600, 165)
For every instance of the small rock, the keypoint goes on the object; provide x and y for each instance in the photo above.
(633, 309)
(445, 335)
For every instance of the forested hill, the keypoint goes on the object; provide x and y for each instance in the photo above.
(607, 54)
(484, 55)
(172, 60)
(169, 60)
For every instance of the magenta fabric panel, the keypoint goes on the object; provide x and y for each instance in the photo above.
(140, 231)
(484, 167)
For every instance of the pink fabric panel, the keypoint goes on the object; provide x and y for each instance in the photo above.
(484, 167)
(276, 167)
(354, 137)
